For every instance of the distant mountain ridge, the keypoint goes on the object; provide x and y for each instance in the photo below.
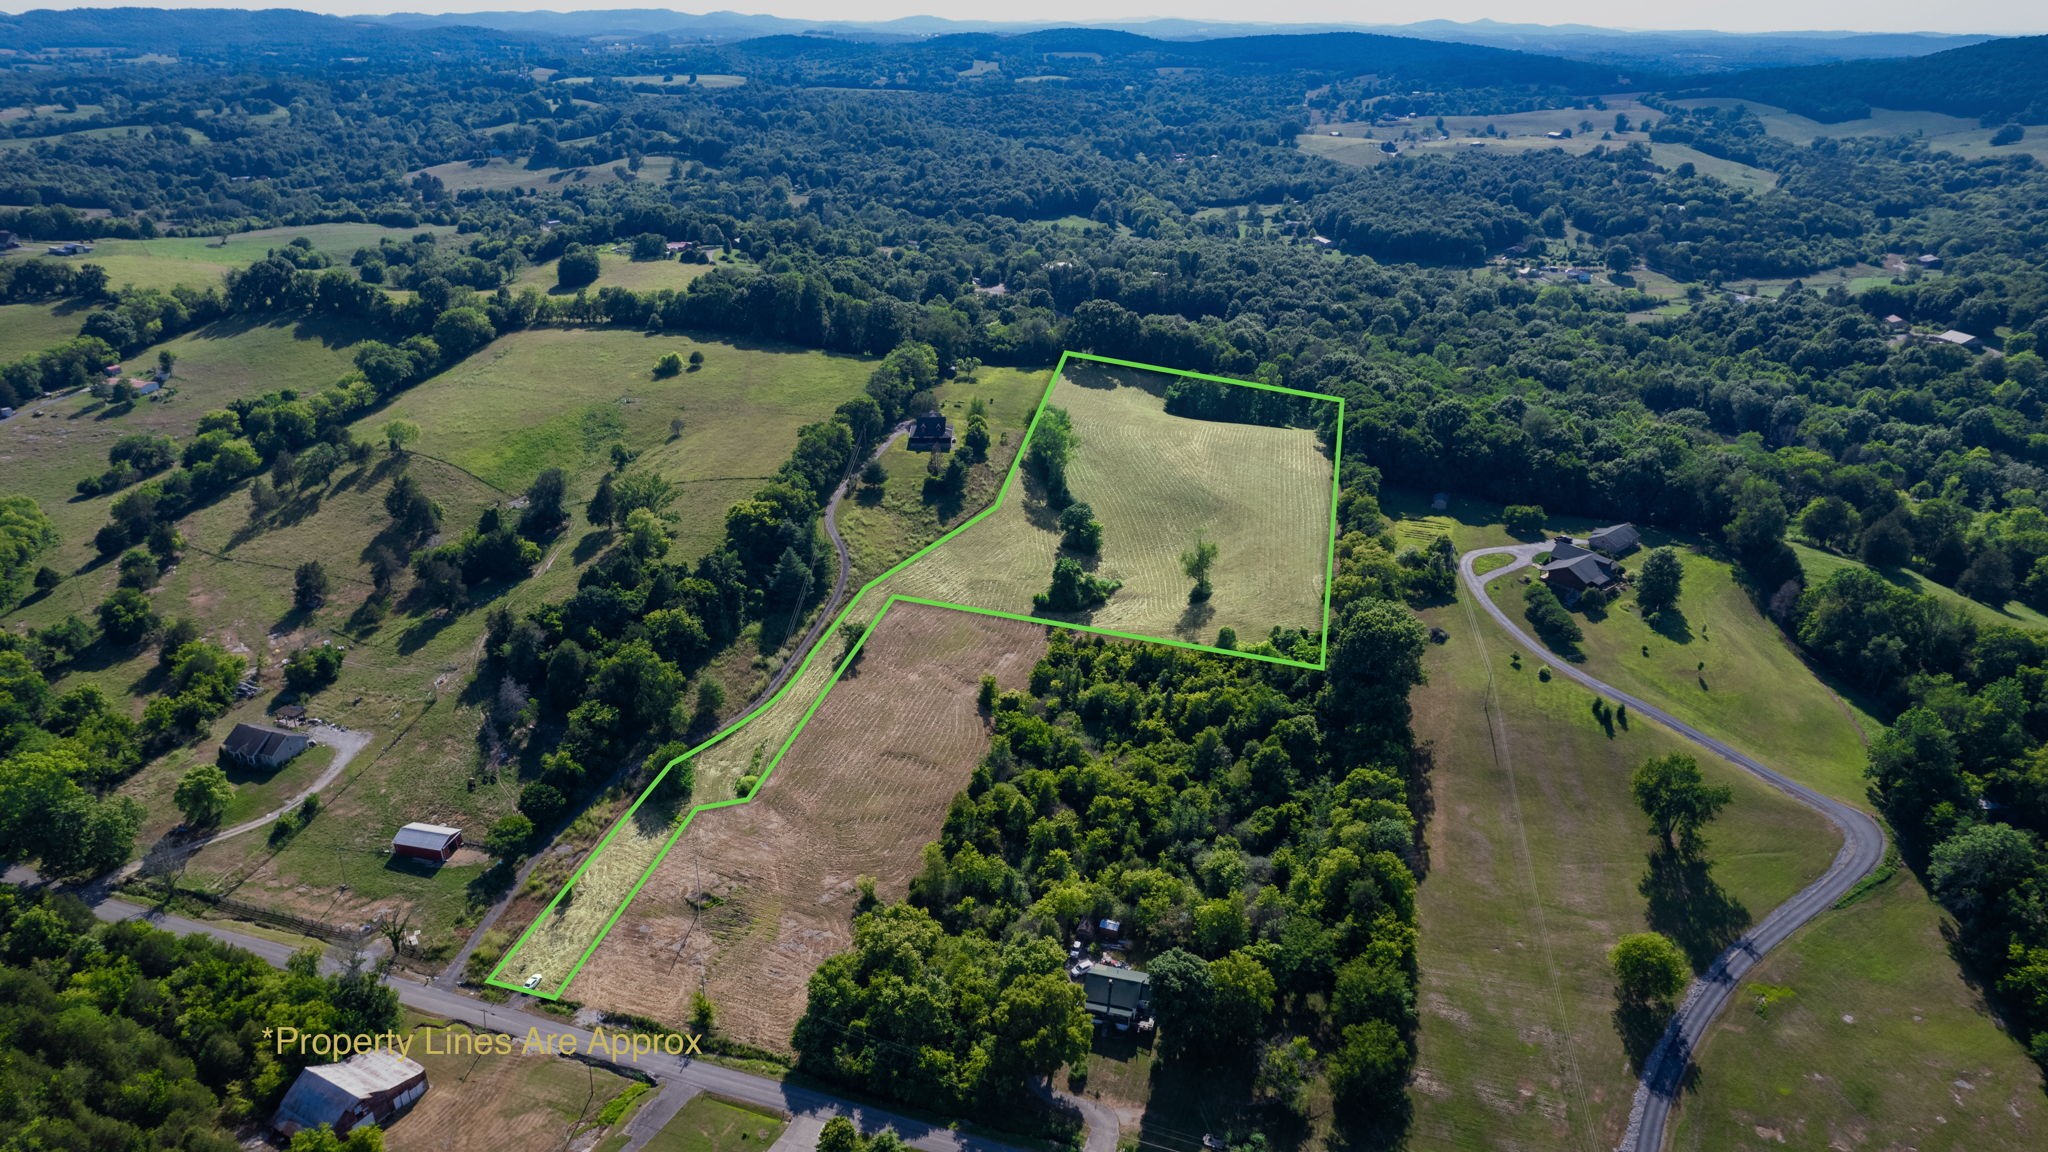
(1997, 81)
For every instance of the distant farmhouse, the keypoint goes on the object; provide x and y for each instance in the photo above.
(260, 746)
(368, 1088)
(931, 433)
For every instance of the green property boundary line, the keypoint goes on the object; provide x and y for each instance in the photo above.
(853, 652)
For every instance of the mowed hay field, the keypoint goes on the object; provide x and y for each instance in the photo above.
(500, 174)
(618, 270)
(1535, 853)
(26, 329)
(753, 897)
(1156, 482)
(489, 1103)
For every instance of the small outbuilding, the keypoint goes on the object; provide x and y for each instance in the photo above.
(1615, 539)
(261, 746)
(1120, 996)
(367, 1088)
(931, 433)
(1960, 340)
(1928, 261)
(1896, 323)
(436, 842)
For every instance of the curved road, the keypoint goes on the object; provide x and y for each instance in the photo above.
(1862, 848)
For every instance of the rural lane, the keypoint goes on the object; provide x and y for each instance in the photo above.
(678, 1076)
(1862, 848)
(346, 744)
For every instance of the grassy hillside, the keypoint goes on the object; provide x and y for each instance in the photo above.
(1535, 854)
(26, 329)
(200, 261)
(1820, 565)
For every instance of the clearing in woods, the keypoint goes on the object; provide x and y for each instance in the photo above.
(765, 892)
(1264, 494)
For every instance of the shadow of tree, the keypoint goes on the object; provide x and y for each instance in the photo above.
(1688, 905)
(1672, 625)
(1640, 1027)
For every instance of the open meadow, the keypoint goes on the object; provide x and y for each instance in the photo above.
(488, 1103)
(1962, 135)
(201, 261)
(1537, 858)
(617, 270)
(1820, 564)
(755, 897)
(26, 329)
(499, 174)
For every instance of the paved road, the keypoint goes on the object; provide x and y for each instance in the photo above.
(1862, 848)
(679, 1077)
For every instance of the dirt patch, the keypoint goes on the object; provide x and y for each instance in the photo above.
(754, 897)
(491, 1102)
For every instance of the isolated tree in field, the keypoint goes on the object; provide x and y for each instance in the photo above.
(398, 434)
(126, 616)
(1657, 584)
(603, 507)
(1080, 531)
(165, 361)
(203, 795)
(311, 669)
(696, 360)
(577, 268)
(309, 586)
(1073, 589)
(874, 475)
(411, 511)
(1678, 801)
(1649, 969)
(670, 364)
(1052, 445)
(544, 512)
(1197, 562)
(976, 440)
(1620, 258)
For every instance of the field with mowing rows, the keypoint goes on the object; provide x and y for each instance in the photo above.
(755, 897)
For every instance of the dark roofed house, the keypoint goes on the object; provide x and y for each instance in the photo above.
(436, 842)
(1118, 995)
(1615, 539)
(260, 746)
(291, 713)
(931, 433)
(367, 1088)
(1563, 548)
(1572, 576)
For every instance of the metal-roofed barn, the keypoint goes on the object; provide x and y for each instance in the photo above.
(1615, 539)
(436, 842)
(367, 1088)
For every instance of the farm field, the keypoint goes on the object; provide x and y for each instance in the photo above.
(1534, 857)
(713, 1124)
(680, 80)
(755, 897)
(1156, 482)
(201, 261)
(26, 329)
(1753, 686)
(482, 1104)
(1820, 564)
(1202, 482)
(616, 270)
(500, 173)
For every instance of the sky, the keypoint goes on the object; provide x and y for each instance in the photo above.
(2002, 16)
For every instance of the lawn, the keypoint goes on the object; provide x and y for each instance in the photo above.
(1880, 1043)
(1820, 565)
(714, 1124)
(1716, 663)
(486, 1103)
(26, 329)
(1535, 853)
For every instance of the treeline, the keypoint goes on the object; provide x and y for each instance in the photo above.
(125, 1036)
(1250, 826)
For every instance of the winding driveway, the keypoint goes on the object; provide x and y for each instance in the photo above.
(1862, 848)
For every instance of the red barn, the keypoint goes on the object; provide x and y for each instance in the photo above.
(436, 842)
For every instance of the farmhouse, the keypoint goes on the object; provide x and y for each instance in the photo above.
(1615, 539)
(259, 746)
(1572, 576)
(367, 1088)
(1119, 996)
(436, 842)
(931, 433)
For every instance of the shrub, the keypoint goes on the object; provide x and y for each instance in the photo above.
(1073, 589)
(670, 364)
(1548, 617)
(1523, 519)
(311, 669)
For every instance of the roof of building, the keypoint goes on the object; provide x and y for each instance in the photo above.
(1954, 337)
(1117, 992)
(1615, 537)
(256, 741)
(291, 712)
(325, 1092)
(1563, 549)
(1587, 569)
(930, 424)
(417, 835)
